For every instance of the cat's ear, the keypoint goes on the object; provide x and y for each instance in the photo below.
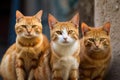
(85, 28)
(106, 27)
(51, 21)
(75, 20)
(38, 15)
(19, 15)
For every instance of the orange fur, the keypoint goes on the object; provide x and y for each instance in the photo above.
(64, 48)
(95, 52)
(23, 59)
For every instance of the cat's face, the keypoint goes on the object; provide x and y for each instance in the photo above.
(28, 26)
(64, 33)
(96, 39)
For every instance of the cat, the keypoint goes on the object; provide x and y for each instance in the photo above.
(95, 52)
(65, 48)
(29, 52)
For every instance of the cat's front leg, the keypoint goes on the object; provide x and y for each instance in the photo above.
(74, 74)
(31, 75)
(57, 75)
(99, 79)
(84, 78)
(101, 75)
(19, 70)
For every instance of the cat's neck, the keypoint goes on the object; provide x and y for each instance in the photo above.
(25, 42)
(65, 50)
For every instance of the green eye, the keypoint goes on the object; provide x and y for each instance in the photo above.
(59, 32)
(91, 39)
(70, 31)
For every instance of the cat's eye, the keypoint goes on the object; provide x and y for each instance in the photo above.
(102, 39)
(70, 31)
(24, 26)
(33, 26)
(59, 32)
(91, 39)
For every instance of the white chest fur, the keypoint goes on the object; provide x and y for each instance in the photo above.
(65, 50)
(66, 62)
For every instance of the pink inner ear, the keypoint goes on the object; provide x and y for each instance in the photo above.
(39, 14)
(51, 20)
(106, 27)
(85, 28)
(19, 14)
(75, 19)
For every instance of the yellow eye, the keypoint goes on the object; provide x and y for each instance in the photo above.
(33, 26)
(59, 32)
(91, 39)
(70, 31)
(102, 39)
(24, 26)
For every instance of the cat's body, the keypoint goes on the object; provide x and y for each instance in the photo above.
(95, 52)
(31, 47)
(65, 49)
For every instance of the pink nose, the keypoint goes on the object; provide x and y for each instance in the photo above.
(97, 46)
(65, 38)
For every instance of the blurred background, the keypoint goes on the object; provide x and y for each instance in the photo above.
(92, 12)
(63, 10)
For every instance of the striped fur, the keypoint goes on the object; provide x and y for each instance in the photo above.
(24, 57)
(95, 52)
(65, 48)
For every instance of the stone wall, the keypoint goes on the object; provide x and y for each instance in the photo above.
(109, 10)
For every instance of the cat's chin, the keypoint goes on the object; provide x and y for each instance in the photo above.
(97, 50)
(65, 43)
(29, 37)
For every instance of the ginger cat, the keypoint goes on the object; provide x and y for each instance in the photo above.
(95, 52)
(65, 48)
(28, 52)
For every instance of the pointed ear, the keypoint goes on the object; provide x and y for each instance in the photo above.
(84, 28)
(39, 15)
(51, 21)
(75, 19)
(18, 15)
(106, 27)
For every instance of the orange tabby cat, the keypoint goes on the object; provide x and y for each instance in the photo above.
(95, 52)
(29, 50)
(65, 48)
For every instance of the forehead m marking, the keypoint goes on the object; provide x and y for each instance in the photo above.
(29, 21)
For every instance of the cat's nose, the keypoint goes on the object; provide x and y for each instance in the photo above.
(97, 46)
(29, 31)
(65, 38)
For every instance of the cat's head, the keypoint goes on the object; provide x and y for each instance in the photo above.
(96, 39)
(28, 26)
(64, 33)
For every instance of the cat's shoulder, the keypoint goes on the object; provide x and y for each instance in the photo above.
(45, 37)
(11, 48)
(46, 43)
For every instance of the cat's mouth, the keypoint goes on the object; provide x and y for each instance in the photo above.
(97, 50)
(28, 36)
(65, 42)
